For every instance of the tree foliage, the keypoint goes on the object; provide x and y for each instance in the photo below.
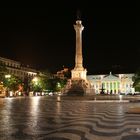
(136, 80)
(12, 83)
(40, 82)
(26, 84)
(56, 84)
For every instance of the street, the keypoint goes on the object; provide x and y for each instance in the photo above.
(47, 118)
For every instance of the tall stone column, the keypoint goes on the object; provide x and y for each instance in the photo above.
(79, 85)
(78, 56)
(78, 72)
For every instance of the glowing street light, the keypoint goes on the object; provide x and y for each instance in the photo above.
(8, 76)
(58, 85)
(35, 80)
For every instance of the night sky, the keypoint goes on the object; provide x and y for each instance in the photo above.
(44, 38)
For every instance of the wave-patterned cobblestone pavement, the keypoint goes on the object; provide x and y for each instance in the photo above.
(39, 118)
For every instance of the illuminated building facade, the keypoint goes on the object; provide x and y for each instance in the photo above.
(112, 83)
(16, 68)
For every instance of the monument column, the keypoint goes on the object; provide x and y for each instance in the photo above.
(78, 56)
(78, 72)
(79, 85)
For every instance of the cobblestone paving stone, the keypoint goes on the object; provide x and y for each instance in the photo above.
(43, 118)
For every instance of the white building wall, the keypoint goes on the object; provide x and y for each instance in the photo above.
(117, 83)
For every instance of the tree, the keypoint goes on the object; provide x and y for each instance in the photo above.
(136, 80)
(26, 84)
(39, 83)
(35, 84)
(12, 83)
(56, 84)
(45, 80)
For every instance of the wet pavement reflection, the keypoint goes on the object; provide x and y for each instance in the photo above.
(48, 118)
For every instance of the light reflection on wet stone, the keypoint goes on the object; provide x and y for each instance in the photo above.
(38, 118)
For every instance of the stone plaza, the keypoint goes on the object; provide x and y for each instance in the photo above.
(71, 117)
(53, 118)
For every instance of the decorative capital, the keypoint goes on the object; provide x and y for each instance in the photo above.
(78, 26)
